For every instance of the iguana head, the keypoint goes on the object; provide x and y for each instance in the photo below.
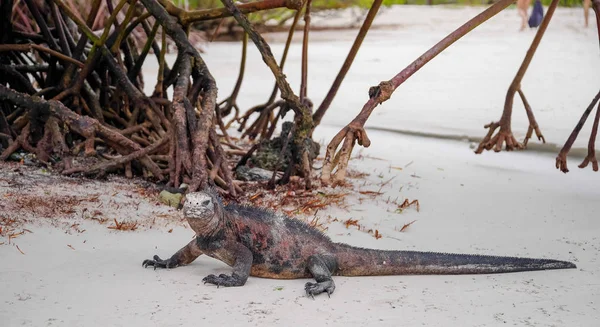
(202, 211)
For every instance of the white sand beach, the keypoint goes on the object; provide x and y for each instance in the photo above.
(514, 204)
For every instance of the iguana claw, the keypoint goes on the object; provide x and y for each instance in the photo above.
(158, 263)
(223, 280)
(313, 289)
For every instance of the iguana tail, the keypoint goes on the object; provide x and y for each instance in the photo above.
(353, 261)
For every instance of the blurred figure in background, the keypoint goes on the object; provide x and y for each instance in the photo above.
(537, 14)
(522, 7)
(586, 11)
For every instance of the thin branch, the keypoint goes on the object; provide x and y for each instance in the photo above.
(209, 14)
(106, 166)
(30, 46)
(561, 159)
(347, 63)
(262, 107)
(304, 75)
(58, 22)
(354, 131)
(48, 37)
(303, 119)
(142, 57)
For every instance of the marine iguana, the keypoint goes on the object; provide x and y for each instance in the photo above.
(258, 242)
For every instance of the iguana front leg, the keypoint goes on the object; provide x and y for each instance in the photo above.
(321, 267)
(239, 257)
(182, 257)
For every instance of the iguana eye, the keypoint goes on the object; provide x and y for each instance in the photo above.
(205, 202)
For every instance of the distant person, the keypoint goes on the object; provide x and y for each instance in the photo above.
(537, 14)
(522, 7)
(586, 11)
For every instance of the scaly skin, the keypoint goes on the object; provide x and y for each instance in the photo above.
(260, 243)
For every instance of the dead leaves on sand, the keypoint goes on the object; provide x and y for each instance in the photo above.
(407, 204)
(354, 222)
(291, 199)
(8, 230)
(124, 225)
(24, 207)
(406, 226)
(375, 232)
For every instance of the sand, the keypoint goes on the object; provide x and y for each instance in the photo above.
(503, 204)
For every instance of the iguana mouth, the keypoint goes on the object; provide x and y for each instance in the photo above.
(198, 213)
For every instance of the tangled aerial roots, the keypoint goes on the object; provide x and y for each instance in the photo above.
(87, 92)
(303, 122)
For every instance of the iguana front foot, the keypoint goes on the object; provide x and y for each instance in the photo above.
(313, 289)
(159, 263)
(224, 280)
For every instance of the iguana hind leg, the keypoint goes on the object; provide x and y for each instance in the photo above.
(182, 257)
(321, 267)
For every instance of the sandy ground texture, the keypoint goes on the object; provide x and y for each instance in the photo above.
(509, 204)
(78, 272)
